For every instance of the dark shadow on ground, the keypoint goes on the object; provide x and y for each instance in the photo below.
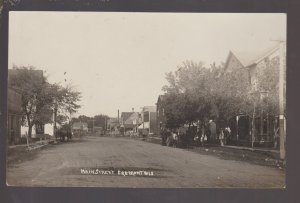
(19, 154)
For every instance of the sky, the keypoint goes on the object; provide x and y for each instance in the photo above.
(118, 60)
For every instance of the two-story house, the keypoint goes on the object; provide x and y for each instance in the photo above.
(148, 120)
(14, 108)
(40, 129)
(254, 64)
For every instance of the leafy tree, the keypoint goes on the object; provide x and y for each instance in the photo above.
(173, 108)
(64, 102)
(40, 98)
(195, 92)
(188, 92)
(36, 103)
(200, 93)
(96, 121)
(268, 82)
(232, 94)
(101, 120)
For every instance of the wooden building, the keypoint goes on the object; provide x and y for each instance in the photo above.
(14, 102)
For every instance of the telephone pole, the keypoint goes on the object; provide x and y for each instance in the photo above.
(281, 100)
(282, 65)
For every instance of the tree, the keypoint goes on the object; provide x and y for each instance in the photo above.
(64, 102)
(200, 93)
(195, 92)
(188, 92)
(41, 99)
(36, 103)
(268, 82)
(232, 94)
(101, 121)
(173, 109)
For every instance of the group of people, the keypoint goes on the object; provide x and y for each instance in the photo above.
(209, 134)
(205, 133)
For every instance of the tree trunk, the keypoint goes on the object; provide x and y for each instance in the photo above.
(261, 124)
(54, 124)
(29, 126)
(253, 128)
(29, 130)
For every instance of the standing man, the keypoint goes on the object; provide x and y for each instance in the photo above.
(163, 134)
(227, 135)
(213, 130)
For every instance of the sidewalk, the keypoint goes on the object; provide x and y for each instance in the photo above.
(32, 144)
(259, 156)
(253, 149)
(158, 139)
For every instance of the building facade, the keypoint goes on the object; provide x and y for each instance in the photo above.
(129, 122)
(260, 130)
(37, 75)
(148, 123)
(79, 127)
(160, 114)
(14, 102)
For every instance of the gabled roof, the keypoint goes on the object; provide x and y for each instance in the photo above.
(232, 55)
(248, 59)
(126, 115)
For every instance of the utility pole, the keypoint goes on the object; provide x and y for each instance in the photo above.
(105, 124)
(282, 66)
(55, 120)
(281, 100)
(149, 122)
(93, 131)
(253, 126)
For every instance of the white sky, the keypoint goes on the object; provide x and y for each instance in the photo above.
(119, 60)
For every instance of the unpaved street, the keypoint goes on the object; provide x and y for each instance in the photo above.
(61, 165)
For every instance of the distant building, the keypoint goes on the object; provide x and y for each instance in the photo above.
(112, 123)
(78, 127)
(98, 130)
(14, 102)
(148, 120)
(129, 121)
(160, 113)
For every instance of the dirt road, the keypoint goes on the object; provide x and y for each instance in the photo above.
(71, 164)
